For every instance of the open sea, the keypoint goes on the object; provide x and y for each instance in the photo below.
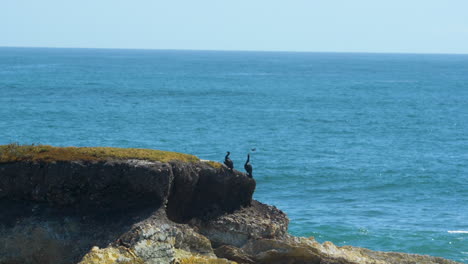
(369, 150)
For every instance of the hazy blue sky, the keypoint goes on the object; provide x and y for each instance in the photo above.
(427, 26)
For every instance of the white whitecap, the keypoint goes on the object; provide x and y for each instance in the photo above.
(458, 232)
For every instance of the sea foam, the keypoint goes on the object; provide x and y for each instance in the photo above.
(458, 232)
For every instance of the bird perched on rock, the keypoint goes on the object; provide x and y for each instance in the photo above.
(248, 166)
(228, 162)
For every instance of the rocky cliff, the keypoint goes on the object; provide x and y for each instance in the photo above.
(145, 209)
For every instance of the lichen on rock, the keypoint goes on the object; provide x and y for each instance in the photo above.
(111, 255)
(44, 153)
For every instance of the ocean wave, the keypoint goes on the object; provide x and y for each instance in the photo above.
(458, 232)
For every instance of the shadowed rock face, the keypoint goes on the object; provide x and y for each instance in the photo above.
(133, 211)
(80, 185)
(205, 192)
(37, 233)
(189, 189)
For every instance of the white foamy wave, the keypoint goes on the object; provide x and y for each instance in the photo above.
(458, 232)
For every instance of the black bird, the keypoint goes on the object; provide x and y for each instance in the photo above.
(248, 166)
(228, 161)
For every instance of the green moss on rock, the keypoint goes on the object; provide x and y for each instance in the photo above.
(45, 153)
(111, 255)
(214, 164)
(203, 260)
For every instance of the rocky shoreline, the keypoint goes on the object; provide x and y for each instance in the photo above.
(141, 211)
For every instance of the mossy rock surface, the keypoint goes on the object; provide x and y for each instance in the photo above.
(204, 260)
(111, 256)
(45, 153)
(214, 164)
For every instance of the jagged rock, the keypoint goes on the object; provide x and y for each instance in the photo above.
(110, 255)
(202, 260)
(150, 212)
(234, 253)
(253, 222)
(307, 250)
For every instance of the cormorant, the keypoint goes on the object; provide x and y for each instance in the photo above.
(228, 161)
(248, 166)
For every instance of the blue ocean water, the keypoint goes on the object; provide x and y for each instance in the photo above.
(367, 150)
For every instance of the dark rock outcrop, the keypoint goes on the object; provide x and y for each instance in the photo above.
(78, 184)
(68, 207)
(188, 189)
(147, 212)
(204, 192)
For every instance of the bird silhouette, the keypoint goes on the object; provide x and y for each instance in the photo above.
(228, 162)
(248, 166)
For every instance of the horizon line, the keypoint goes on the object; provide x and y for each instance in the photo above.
(234, 50)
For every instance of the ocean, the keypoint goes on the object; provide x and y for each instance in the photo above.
(368, 150)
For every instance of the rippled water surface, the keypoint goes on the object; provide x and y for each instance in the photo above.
(368, 150)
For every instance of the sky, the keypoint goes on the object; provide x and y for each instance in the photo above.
(396, 26)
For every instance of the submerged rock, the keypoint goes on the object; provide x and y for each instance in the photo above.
(148, 212)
